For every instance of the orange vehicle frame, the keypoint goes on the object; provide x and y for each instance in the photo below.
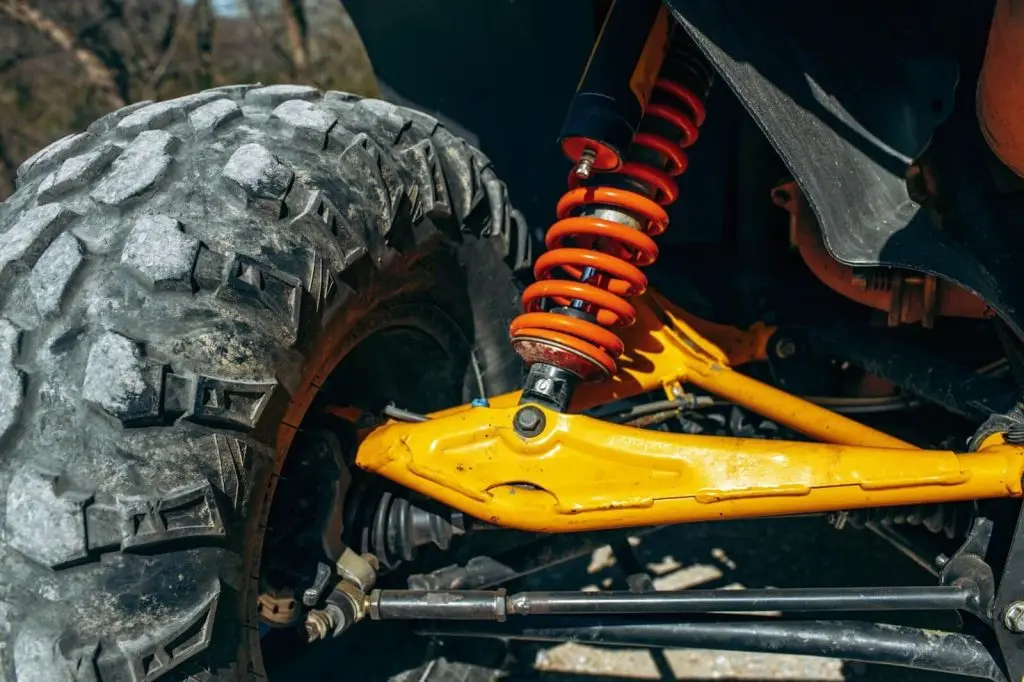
(580, 473)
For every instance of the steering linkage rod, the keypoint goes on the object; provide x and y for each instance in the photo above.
(496, 605)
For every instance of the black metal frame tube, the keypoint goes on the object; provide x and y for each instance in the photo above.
(945, 652)
(494, 605)
(935, 598)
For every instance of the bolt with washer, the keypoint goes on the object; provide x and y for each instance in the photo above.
(585, 166)
(785, 348)
(1013, 619)
(528, 422)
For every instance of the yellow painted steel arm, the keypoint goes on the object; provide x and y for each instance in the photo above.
(584, 474)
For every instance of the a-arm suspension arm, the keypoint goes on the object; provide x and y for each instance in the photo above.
(585, 474)
(580, 473)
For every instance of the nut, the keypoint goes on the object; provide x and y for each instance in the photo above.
(319, 624)
(585, 166)
(1013, 619)
(278, 610)
(529, 421)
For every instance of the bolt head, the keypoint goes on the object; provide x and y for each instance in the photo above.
(585, 166)
(529, 421)
(1013, 618)
(785, 348)
(543, 385)
(318, 625)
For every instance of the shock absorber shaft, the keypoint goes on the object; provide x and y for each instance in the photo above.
(602, 238)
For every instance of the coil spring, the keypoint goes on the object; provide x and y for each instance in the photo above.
(602, 256)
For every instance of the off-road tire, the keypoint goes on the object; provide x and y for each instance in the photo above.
(174, 284)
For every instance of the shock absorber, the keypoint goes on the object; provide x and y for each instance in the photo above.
(606, 221)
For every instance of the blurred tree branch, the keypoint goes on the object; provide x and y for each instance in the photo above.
(294, 14)
(134, 61)
(173, 34)
(96, 72)
(9, 62)
(205, 27)
(8, 169)
(257, 23)
(139, 40)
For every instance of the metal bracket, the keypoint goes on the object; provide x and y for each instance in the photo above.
(313, 593)
(1010, 594)
(967, 566)
(946, 652)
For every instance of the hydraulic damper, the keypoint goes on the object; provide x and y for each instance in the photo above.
(634, 114)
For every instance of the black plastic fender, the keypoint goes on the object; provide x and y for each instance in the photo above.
(845, 101)
(849, 94)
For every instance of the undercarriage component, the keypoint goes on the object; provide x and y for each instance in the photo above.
(345, 606)
(400, 528)
(390, 527)
(614, 90)
(1009, 603)
(278, 610)
(726, 619)
(665, 349)
(893, 524)
(1000, 91)
(580, 474)
(483, 572)
(914, 369)
(604, 235)
(848, 130)
(496, 605)
(950, 520)
(906, 297)
(584, 474)
(946, 652)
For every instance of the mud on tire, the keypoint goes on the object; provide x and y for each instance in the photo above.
(173, 284)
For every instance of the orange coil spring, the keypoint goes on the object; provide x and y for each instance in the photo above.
(610, 253)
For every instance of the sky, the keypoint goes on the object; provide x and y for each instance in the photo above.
(225, 8)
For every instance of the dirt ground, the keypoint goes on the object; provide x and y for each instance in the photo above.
(764, 553)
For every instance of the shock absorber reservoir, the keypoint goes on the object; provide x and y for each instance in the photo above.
(606, 221)
(616, 85)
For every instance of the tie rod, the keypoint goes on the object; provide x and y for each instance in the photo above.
(497, 605)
